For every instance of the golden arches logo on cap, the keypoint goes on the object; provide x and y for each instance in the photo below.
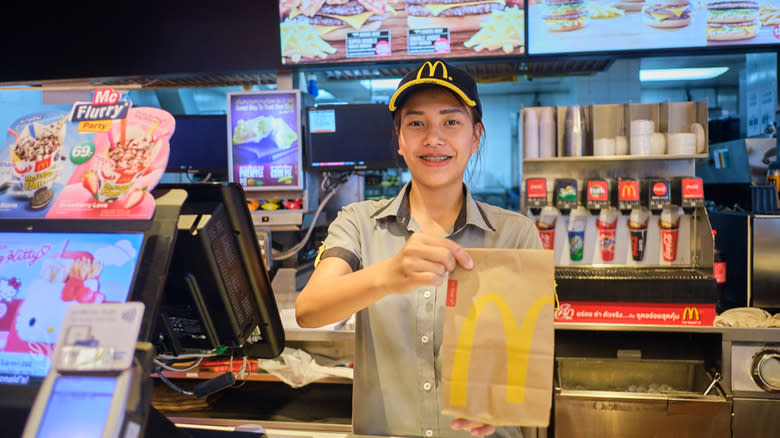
(437, 73)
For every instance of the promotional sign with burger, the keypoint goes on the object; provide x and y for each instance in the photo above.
(319, 31)
(566, 26)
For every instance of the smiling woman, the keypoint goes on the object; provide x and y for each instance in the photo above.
(390, 259)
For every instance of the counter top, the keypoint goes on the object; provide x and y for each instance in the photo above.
(747, 334)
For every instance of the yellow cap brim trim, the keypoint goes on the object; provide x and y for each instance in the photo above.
(434, 81)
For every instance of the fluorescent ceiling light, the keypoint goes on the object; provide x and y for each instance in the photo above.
(681, 74)
(380, 84)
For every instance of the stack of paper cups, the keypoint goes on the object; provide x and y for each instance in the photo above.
(682, 143)
(641, 131)
(621, 145)
(531, 135)
(603, 147)
(547, 137)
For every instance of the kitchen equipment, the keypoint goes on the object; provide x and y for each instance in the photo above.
(754, 374)
(599, 397)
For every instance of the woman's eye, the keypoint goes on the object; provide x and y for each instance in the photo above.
(415, 123)
(451, 122)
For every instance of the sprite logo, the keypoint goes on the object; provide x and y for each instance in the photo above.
(567, 193)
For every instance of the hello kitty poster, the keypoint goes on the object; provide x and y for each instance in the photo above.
(43, 274)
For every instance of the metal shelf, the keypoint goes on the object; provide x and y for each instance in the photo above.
(616, 158)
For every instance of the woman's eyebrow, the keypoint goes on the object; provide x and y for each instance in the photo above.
(452, 110)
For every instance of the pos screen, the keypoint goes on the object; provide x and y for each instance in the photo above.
(78, 407)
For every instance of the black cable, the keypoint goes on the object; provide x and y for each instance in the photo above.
(159, 371)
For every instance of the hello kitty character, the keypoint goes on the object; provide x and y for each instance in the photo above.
(9, 288)
(42, 312)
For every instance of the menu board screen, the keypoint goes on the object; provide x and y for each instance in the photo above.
(264, 139)
(327, 31)
(572, 26)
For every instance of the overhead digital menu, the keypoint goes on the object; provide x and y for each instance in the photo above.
(573, 26)
(320, 31)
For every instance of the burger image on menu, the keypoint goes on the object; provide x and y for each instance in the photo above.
(732, 20)
(667, 13)
(565, 15)
(333, 19)
(630, 5)
(456, 15)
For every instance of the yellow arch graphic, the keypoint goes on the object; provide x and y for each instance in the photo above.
(518, 344)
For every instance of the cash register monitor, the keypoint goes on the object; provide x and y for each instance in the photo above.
(42, 273)
(217, 295)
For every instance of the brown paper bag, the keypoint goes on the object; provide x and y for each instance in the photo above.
(498, 342)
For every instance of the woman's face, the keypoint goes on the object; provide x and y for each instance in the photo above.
(436, 137)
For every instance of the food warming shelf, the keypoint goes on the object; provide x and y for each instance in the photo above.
(636, 284)
(631, 273)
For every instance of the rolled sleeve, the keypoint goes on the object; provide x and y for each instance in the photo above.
(343, 239)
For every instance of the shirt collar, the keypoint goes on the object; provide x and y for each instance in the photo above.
(471, 213)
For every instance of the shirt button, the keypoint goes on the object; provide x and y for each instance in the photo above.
(428, 432)
(427, 294)
(427, 386)
(424, 339)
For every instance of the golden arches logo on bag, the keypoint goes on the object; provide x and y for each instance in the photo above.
(518, 345)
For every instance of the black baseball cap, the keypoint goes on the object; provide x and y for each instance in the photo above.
(437, 72)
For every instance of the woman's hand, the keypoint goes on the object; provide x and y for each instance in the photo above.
(474, 427)
(424, 260)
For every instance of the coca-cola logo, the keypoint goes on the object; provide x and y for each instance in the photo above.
(565, 312)
(659, 189)
(548, 238)
(537, 188)
(693, 188)
(669, 245)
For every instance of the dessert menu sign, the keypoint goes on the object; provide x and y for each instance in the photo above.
(327, 31)
(97, 162)
(567, 26)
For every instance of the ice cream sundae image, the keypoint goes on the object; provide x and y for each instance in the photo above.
(129, 156)
(34, 155)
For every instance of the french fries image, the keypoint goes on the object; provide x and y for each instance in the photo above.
(504, 30)
(301, 40)
(608, 11)
(769, 14)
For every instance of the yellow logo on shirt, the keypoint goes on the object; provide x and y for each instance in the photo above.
(320, 250)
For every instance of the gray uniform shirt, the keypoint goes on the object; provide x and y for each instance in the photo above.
(397, 339)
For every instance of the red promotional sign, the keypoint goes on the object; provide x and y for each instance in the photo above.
(536, 188)
(680, 314)
(692, 188)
